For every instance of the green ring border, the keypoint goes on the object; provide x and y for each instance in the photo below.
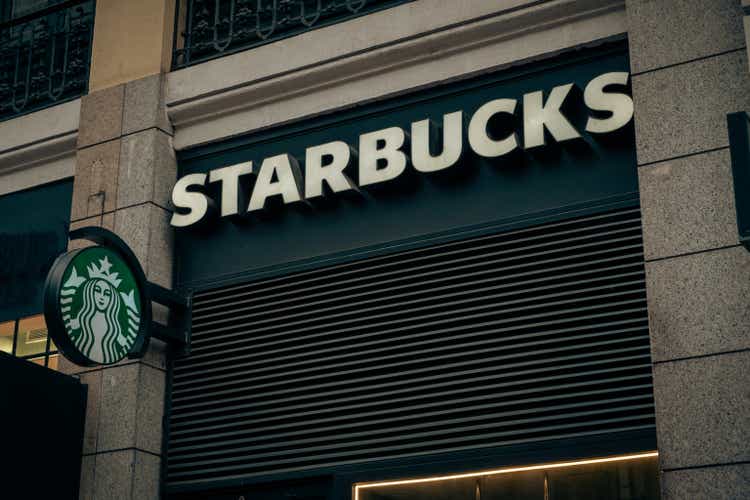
(53, 315)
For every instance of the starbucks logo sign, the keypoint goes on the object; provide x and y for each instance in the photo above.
(100, 305)
(96, 306)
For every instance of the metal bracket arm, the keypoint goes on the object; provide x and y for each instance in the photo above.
(177, 332)
(738, 125)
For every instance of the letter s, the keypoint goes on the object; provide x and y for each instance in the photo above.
(619, 104)
(196, 203)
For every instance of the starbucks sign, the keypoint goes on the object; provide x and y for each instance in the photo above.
(100, 305)
(96, 305)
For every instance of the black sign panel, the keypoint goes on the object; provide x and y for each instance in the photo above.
(473, 192)
(33, 231)
(43, 416)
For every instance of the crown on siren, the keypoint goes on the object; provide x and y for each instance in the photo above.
(103, 272)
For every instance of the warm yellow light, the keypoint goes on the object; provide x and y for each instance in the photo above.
(507, 470)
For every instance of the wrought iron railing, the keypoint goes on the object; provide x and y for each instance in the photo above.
(44, 57)
(207, 29)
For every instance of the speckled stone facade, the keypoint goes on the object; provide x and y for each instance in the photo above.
(689, 64)
(125, 167)
(689, 69)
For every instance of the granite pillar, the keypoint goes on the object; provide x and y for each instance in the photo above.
(689, 69)
(125, 166)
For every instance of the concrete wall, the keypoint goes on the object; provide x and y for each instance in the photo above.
(39, 147)
(391, 52)
(132, 39)
(683, 87)
(689, 65)
(124, 170)
(125, 166)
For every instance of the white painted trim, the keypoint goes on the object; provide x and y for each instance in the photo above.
(373, 57)
(50, 170)
(39, 126)
(39, 147)
(314, 47)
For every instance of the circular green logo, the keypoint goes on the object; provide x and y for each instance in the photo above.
(100, 305)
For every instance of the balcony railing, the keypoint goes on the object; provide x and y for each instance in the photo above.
(44, 57)
(207, 29)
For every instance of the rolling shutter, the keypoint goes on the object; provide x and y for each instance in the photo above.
(526, 335)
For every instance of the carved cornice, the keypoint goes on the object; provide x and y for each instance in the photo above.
(225, 97)
(39, 147)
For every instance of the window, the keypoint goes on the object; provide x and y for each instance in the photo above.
(19, 8)
(27, 338)
(633, 477)
(45, 51)
(7, 330)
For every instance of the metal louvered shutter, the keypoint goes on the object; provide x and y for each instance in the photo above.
(527, 335)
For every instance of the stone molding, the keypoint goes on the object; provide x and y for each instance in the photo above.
(39, 147)
(124, 166)
(256, 89)
(39, 163)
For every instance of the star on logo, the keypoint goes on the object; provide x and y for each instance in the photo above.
(105, 265)
(102, 272)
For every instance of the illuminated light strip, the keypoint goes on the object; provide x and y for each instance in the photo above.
(507, 470)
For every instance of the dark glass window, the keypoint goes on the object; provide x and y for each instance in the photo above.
(210, 29)
(45, 51)
(13, 9)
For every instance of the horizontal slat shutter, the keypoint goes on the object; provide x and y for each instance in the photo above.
(521, 336)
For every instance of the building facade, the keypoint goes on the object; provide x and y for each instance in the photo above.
(456, 249)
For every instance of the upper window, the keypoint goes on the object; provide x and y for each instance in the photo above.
(45, 50)
(23, 7)
(207, 30)
(13, 9)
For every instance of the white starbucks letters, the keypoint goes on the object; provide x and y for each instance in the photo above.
(285, 170)
(452, 138)
(619, 105)
(380, 156)
(337, 155)
(229, 179)
(538, 116)
(196, 203)
(479, 137)
(383, 155)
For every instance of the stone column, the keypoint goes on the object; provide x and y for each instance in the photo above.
(690, 68)
(125, 166)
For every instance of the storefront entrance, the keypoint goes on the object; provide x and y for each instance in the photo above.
(487, 320)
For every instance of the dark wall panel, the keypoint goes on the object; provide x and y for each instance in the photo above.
(523, 336)
(41, 420)
(495, 305)
(33, 231)
(476, 191)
